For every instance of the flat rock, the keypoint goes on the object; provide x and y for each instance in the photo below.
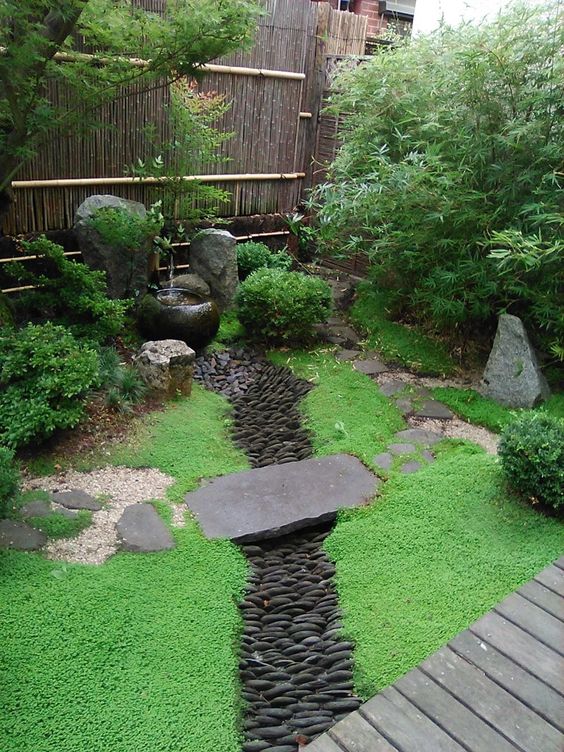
(410, 467)
(428, 456)
(20, 536)
(391, 387)
(433, 409)
(383, 460)
(347, 354)
(419, 436)
(405, 406)
(370, 367)
(37, 508)
(278, 499)
(512, 376)
(347, 333)
(76, 499)
(401, 448)
(141, 530)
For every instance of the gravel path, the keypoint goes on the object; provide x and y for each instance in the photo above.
(120, 487)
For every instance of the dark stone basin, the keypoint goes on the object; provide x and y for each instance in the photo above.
(174, 313)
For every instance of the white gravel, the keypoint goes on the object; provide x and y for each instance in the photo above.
(459, 429)
(118, 487)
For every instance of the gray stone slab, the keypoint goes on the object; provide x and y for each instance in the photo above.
(420, 436)
(401, 448)
(347, 354)
(410, 467)
(141, 530)
(405, 406)
(37, 508)
(393, 386)
(346, 332)
(271, 501)
(20, 536)
(76, 499)
(434, 409)
(427, 455)
(370, 367)
(383, 460)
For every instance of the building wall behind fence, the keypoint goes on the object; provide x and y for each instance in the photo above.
(270, 136)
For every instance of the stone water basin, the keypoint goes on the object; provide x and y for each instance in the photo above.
(173, 313)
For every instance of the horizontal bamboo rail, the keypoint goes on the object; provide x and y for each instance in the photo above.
(234, 70)
(129, 180)
(306, 115)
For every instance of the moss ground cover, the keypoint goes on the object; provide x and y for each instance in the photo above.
(346, 412)
(482, 411)
(438, 550)
(397, 342)
(57, 525)
(139, 653)
(134, 655)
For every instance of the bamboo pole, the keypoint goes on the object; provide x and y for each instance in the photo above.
(31, 258)
(129, 180)
(306, 115)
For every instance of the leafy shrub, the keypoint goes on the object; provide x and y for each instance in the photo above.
(124, 230)
(9, 481)
(70, 293)
(532, 457)
(282, 305)
(450, 176)
(252, 256)
(44, 375)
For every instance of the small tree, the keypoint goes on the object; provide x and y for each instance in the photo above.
(39, 39)
(450, 177)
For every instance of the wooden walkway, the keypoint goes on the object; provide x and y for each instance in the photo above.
(497, 687)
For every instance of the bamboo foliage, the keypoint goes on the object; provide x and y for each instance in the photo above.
(268, 117)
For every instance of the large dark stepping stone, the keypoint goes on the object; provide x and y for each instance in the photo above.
(37, 508)
(419, 436)
(76, 499)
(141, 530)
(275, 500)
(20, 536)
(344, 355)
(370, 367)
(393, 386)
(433, 409)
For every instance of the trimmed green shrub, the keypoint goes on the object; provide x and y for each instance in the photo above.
(9, 481)
(281, 305)
(532, 457)
(44, 375)
(252, 256)
(70, 293)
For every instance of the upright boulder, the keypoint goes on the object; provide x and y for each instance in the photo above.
(214, 258)
(512, 376)
(126, 268)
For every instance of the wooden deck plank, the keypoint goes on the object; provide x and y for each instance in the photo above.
(522, 649)
(544, 598)
(553, 578)
(524, 686)
(355, 734)
(544, 627)
(492, 703)
(450, 714)
(405, 726)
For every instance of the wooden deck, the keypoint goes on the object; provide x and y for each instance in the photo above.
(497, 687)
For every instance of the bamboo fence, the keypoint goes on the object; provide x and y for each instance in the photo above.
(274, 90)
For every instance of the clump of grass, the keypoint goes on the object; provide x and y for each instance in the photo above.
(396, 342)
(58, 525)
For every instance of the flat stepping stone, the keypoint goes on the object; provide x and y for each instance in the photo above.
(346, 332)
(141, 530)
(433, 409)
(278, 499)
(335, 321)
(405, 406)
(419, 436)
(427, 455)
(370, 367)
(76, 499)
(383, 460)
(37, 508)
(393, 386)
(20, 536)
(410, 467)
(347, 355)
(401, 448)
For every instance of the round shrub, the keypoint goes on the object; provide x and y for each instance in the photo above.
(9, 481)
(252, 256)
(282, 305)
(532, 457)
(44, 375)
